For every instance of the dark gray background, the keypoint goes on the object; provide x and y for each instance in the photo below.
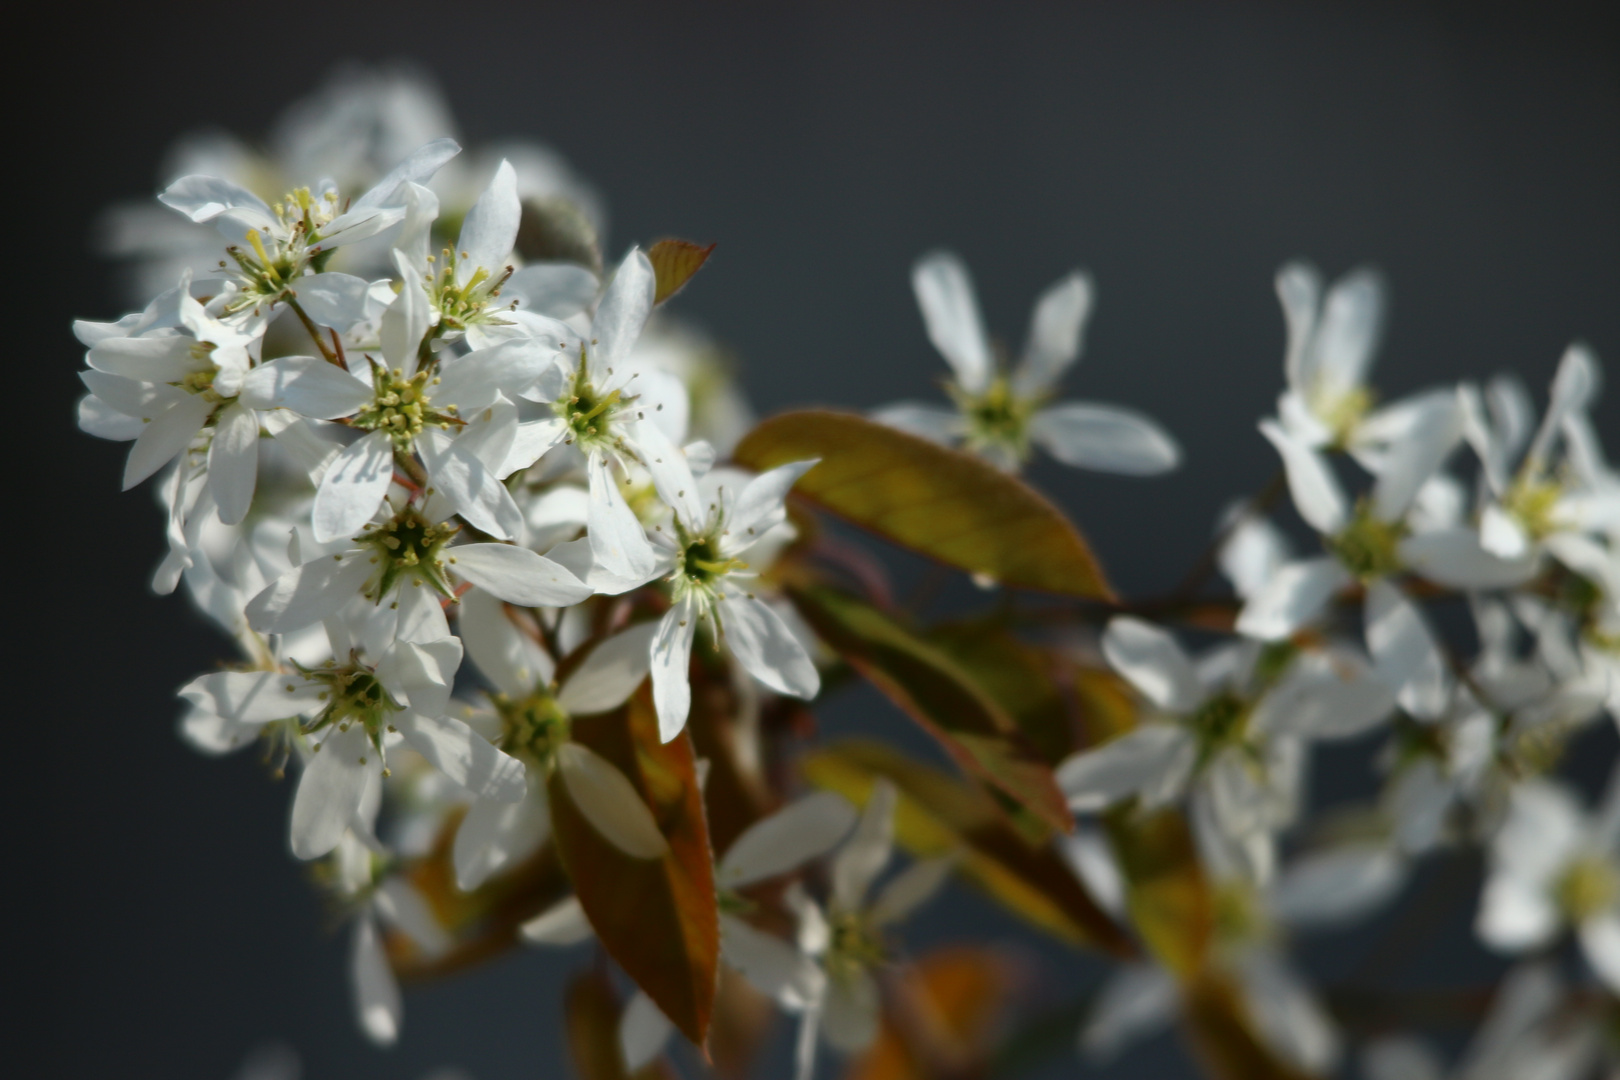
(1178, 151)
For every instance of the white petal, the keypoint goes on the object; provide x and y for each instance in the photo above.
(306, 594)
(622, 313)
(951, 313)
(407, 319)
(1405, 651)
(497, 835)
(671, 475)
(100, 419)
(774, 967)
(506, 656)
(765, 646)
(169, 433)
(1316, 491)
(1155, 664)
(618, 542)
(561, 924)
(165, 359)
(867, 851)
(1299, 288)
(491, 226)
(471, 382)
(1134, 762)
(610, 673)
(253, 697)
(1295, 595)
(336, 300)
(1054, 335)
(1600, 941)
(307, 385)
(1413, 460)
(1255, 549)
(555, 289)
(761, 505)
(418, 168)
(1573, 388)
(517, 575)
(643, 1031)
(204, 198)
(1352, 322)
(850, 1012)
(932, 422)
(464, 756)
(1338, 885)
(462, 477)
(1287, 1015)
(233, 462)
(353, 487)
(330, 790)
(1514, 917)
(376, 994)
(909, 890)
(610, 802)
(1455, 557)
(1500, 535)
(1105, 438)
(1333, 699)
(794, 835)
(1136, 1000)
(671, 669)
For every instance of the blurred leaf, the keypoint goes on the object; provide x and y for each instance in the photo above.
(1107, 704)
(942, 503)
(1023, 679)
(925, 682)
(939, 814)
(943, 1012)
(743, 1019)
(591, 1016)
(735, 795)
(656, 917)
(1220, 1033)
(1166, 893)
(556, 230)
(674, 262)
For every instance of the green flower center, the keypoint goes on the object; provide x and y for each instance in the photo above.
(1369, 547)
(854, 947)
(265, 272)
(460, 306)
(590, 414)
(408, 545)
(353, 695)
(1221, 721)
(1342, 412)
(1590, 885)
(402, 407)
(1532, 504)
(997, 418)
(533, 728)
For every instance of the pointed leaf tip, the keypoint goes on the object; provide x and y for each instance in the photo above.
(674, 262)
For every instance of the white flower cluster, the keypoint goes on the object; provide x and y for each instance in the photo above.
(400, 415)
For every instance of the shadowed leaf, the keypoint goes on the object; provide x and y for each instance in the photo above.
(929, 686)
(591, 1015)
(939, 814)
(939, 502)
(656, 917)
(1220, 1034)
(1024, 679)
(674, 262)
(1166, 892)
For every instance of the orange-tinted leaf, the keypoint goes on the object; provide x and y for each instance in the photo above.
(656, 917)
(591, 1015)
(1222, 1037)
(939, 814)
(674, 262)
(946, 1007)
(1166, 892)
(942, 503)
(925, 682)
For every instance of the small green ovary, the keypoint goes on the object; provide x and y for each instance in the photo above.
(533, 728)
(353, 695)
(1590, 886)
(997, 417)
(460, 306)
(1534, 505)
(408, 545)
(1369, 547)
(854, 946)
(1221, 721)
(402, 407)
(589, 414)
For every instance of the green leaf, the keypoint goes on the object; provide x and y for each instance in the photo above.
(556, 230)
(656, 917)
(674, 262)
(939, 502)
(1166, 893)
(923, 681)
(939, 814)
